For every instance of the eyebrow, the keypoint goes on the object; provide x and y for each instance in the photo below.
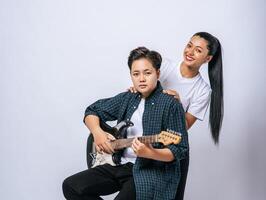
(139, 70)
(135, 71)
(194, 45)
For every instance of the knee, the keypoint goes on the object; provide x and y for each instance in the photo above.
(68, 191)
(65, 188)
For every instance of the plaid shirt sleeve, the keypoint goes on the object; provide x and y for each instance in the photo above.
(176, 122)
(106, 109)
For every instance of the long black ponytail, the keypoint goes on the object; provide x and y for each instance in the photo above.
(215, 70)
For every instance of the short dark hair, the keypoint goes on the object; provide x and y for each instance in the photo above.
(142, 52)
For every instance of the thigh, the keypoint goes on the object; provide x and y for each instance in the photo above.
(94, 181)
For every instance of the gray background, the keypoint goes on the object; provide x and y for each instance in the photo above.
(58, 56)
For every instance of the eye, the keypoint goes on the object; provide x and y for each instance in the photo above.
(148, 73)
(135, 74)
(188, 45)
(198, 51)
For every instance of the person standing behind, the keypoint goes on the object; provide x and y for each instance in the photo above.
(184, 81)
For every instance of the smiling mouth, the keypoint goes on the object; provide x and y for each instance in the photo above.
(189, 58)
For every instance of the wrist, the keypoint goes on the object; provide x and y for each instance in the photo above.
(149, 153)
(97, 131)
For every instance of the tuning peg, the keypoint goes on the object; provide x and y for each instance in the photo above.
(173, 132)
(170, 131)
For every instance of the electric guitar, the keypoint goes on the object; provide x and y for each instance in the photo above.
(119, 132)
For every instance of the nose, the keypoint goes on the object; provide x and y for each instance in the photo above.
(190, 52)
(142, 78)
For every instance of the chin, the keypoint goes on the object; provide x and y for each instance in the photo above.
(144, 92)
(189, 63)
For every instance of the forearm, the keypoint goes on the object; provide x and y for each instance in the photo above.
(164, 155)
(190, 120)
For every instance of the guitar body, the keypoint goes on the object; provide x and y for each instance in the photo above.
(119, 131)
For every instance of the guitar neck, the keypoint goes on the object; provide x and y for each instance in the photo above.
(123, 143)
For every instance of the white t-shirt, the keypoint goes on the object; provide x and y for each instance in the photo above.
(134, 131)
(194, 92)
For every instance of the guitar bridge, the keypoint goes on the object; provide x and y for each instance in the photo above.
(93, 156)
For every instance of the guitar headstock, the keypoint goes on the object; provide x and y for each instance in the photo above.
(169, 137)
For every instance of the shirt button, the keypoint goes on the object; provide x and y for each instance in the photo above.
(134, 107)
(152, 103)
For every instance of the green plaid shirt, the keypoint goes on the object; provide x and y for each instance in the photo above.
(153, 179)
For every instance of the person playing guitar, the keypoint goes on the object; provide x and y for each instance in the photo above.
(148, 166)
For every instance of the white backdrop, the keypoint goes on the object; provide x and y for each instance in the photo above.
(58, 56)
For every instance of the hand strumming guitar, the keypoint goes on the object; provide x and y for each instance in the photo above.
(102, 141)
(101, 138)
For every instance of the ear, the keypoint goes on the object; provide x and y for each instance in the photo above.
(158, 72)
(208, 58)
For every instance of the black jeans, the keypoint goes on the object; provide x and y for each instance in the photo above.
(99, 181)
(183, 179)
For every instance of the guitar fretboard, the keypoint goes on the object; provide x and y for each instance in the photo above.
(123, 143)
